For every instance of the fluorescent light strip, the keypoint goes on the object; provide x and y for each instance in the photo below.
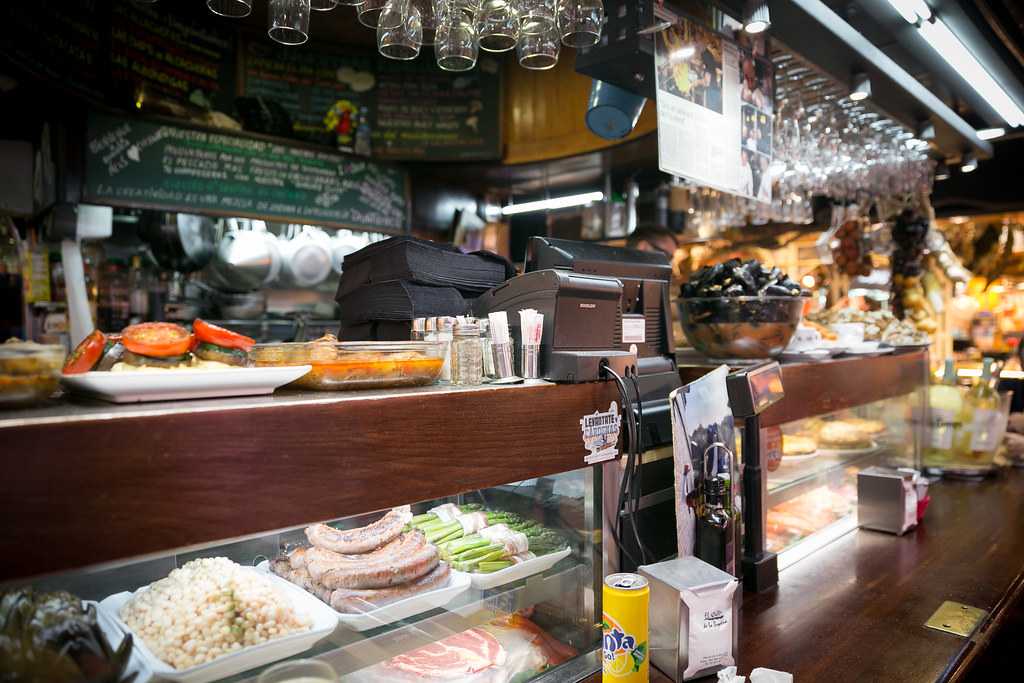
(956, 54)
(912, 10)
(553, 203)
(991, 133)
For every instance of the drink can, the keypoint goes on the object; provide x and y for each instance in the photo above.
(626, 653)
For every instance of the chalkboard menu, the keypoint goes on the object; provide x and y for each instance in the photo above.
(173, 55)
(146, 164)
(365, 103)
(425, 113)
(57, 40)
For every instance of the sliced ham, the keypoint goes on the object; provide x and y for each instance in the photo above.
(462, 654)
(446, 512)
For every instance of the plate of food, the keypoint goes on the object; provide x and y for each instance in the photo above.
(849, 436)
(212, 618)
(165, 361)
(494, 547)
(798, 448)
(371, 575)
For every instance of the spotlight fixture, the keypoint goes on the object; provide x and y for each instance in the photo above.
(941, 171)
(756, 17)
(991, 133)
(861, 89)
(969, 164)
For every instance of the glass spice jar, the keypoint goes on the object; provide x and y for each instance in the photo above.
(467, 354)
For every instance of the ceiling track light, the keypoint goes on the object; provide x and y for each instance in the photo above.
(942, 171)
(756, 16)
(861, 87)
(969, 163)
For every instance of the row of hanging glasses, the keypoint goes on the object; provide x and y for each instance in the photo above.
(457, 29)
(827, 144)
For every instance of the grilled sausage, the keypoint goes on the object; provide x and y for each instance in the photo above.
(362, 539)
(412, 558)
(356, 601)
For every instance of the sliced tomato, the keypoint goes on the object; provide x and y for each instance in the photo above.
(87, 354)
(214, 334)
(158, 340)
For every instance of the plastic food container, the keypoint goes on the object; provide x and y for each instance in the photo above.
(29, 372)
(339, 366)
(741, 326)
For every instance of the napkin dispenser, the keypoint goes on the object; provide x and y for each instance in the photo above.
(887, 499)
(694, 617)
(580, 317)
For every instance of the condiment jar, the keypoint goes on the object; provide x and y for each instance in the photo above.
(419, 328)
(467, 353)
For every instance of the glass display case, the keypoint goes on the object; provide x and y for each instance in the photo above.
(500, 584)
(812, 467)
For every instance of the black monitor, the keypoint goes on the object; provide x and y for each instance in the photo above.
(645, 320)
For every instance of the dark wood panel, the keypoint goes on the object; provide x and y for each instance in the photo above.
(79, 493)
(822, 388)
(855, 611)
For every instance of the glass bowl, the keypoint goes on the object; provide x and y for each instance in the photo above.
(740, 326)
(339, 366)
(29, 372)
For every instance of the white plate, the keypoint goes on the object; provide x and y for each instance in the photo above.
(518, 571)
(793, 459)
(806, 356)
(868, 349)
(115, 634)
(324, 619)
(400, 609)
(847, 452)
(172, 385)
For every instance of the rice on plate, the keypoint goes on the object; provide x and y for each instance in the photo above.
(209, 608)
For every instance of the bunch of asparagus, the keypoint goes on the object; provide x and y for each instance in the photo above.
(500, 538)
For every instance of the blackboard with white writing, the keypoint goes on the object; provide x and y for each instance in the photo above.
(146, 164)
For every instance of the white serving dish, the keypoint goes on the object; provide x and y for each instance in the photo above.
(850, 452)
(115, 634)
(518, 571)
(400, 609)
(324, 619)
(173, 385)
(868, 349)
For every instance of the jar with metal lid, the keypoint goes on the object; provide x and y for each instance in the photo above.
(467, 353)
(419, 329)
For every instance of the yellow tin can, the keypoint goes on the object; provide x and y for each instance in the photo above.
(626, 654)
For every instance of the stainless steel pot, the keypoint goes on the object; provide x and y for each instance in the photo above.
(247, 258)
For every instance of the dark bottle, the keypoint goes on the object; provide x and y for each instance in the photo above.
(715, 537)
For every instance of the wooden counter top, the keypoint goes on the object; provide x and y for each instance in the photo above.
(88, 482)
(854, 612)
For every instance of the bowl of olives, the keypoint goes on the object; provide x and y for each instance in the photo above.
(740, 309)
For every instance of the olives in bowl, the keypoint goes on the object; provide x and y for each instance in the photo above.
(740, 309)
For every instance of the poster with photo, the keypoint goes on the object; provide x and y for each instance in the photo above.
(715, 109)
(703, 444)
